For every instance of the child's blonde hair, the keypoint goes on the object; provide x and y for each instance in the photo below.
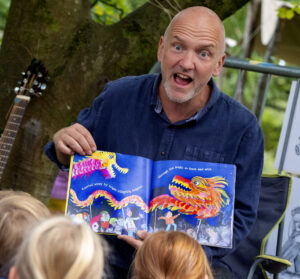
(60, 247)
(171, 255)
(19, 211)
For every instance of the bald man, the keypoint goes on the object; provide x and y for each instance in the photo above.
(179, 114)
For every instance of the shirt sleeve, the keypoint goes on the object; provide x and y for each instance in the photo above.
(249, 163)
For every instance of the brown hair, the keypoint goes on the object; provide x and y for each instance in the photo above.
(60, 247)
(18, 212)
(171, 255)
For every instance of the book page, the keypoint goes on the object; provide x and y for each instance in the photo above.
(110, 191)
(193, 197)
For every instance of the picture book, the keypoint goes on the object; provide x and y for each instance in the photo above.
(120, 194)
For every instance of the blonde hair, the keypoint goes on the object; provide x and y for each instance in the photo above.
(171, 255)
(19, 211)
(60, 247)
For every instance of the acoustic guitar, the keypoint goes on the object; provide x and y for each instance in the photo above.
(33, 83)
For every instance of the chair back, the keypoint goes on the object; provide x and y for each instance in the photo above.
(273, 202)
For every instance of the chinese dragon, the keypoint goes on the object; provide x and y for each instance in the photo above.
(99, 160)
(202, 197)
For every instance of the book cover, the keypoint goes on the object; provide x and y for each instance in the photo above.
(120, 194)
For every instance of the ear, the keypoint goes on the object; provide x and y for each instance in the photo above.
(219, 65)
(13, 273)
(160, 49)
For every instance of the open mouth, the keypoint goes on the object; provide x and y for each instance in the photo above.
(182, 79)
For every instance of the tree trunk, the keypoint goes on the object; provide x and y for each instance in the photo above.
(80, 57)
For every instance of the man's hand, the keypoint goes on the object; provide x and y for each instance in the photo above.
(75, 138)
(136, 243)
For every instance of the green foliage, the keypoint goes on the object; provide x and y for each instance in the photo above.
(293, 2)
(109, 12)
(4, 6)
(234, 28)
(287, 12)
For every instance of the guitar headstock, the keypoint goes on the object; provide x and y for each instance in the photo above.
(34, 80)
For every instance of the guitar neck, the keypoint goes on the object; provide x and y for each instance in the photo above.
(11, 129)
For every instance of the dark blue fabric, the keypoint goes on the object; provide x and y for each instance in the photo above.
(128, 118)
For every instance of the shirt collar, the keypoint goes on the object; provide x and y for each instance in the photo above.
(156, 103)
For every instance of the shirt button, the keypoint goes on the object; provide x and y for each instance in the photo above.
(163, 153)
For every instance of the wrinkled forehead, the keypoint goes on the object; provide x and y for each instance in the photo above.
(198, 23)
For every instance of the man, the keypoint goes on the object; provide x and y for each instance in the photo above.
(178, 115)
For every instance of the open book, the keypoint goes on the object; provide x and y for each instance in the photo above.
(120, 194)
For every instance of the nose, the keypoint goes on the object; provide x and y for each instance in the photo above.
(187, 61)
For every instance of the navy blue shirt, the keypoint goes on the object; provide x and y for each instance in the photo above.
(128, 118)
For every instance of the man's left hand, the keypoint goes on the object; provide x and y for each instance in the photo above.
(136, 243)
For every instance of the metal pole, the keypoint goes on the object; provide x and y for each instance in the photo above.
(237, 93)
(261, 106)
(262, 67)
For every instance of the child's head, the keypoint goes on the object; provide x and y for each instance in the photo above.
(128, 212)
(19, 211)
(168, 214)
(105, 216)
(171, 255)
(60, 247)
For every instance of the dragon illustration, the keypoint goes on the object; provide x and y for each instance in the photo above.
(134, 199)
(99, 160)
(199, 196)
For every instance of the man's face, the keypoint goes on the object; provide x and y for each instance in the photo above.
(190, 53)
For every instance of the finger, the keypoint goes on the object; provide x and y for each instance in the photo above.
(64, 149)
(72, 144)
(76, 139)
(143, 234)
(136, 243)
(68, 140)
(87, 135)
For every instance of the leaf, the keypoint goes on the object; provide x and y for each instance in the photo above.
(98, 10)
(282, 12)
(290, 14)
(297, 9)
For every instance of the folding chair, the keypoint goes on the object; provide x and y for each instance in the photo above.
(274, 198)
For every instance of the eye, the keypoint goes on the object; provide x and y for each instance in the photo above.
(204, 54)
(177, 47)
(110, 156)
(196, 183)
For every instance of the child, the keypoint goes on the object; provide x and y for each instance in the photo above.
(59, 247)
(169, 219)
(19, 211)
(171, 255)
(129, 222)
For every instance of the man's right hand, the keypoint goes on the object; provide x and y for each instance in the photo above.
(75, 138)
